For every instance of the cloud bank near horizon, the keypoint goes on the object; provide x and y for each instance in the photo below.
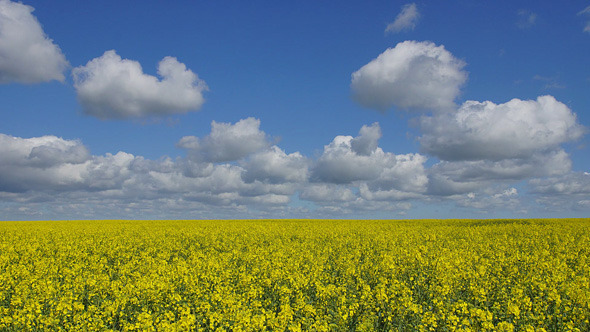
(253, 176)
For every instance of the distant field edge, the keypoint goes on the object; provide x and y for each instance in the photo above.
(484, 220)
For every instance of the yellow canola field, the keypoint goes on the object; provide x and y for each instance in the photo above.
(310, 275)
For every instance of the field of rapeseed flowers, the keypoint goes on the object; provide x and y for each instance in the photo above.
(311, 275)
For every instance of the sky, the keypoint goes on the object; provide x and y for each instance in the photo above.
(306, 109)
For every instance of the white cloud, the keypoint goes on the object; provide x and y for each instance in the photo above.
(223, 179)
(54, 171)
(43, 152)
(275, 166)
(567, 192)
(404, 173)
(53, 164)
(110, 87)
(585, 12)
(109, 171)
(413, 76)
(575, 183)
(327, 192)
(377, 194)
(550, 82)
(339, 163)
(27, 55)
(405, 20)
(46, 162)
(367, 141)
(507, 193)
(339, 209)
(347, 160)
(460, 177)
(492, 199)
(51, 173)
(353, 176)
(484, 130)
(226, 142)
(526, 19)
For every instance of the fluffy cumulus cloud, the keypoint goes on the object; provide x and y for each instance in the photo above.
(568, 192)
(354, 175)
(275, 166)
(483, 149)
(459, 177)
(27, 55)
(405, 20)
(63, 173)
(412, 76)
(484, 130)
(43, 152)
(402, 178)
(53, 164)
(367, 140)
(571, 184)
(340, 163)
(350, 159)
(226, 142)
(251, 177)
(484, 144)
(52, 173)
(111, 87)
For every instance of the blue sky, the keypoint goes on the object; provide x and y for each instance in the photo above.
(262, 109)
